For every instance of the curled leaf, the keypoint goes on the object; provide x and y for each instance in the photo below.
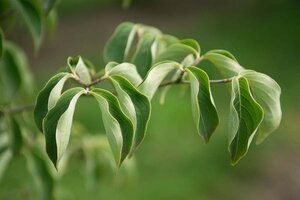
(245, 117)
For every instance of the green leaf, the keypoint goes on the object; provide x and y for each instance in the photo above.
(15, 74)
(204, 110)
(57, 123)
(161, 43)
(43, 179)
(48, 97)
(116, 46)
(136, 106)
(192, 43)
(50, 4)
(155, 76)
(5, 158)
(224, 53)
(142, 57)
(79, 68)
(245, 117)
(16, 136)
(267, 93)
(126, 70)
(30, 12)
(224, 61)
(177, 52)
(1, 42)
(119, 128)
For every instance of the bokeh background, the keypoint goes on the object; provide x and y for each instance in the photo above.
(174, 162)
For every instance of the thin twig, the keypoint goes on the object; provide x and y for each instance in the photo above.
(95, 82)
(228, 80)
(16, 110)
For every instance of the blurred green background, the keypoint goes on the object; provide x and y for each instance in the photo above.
(173, 162)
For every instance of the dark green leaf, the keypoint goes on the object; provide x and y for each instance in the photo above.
(119, 128)
(1, 42)
(143, 55)
(245, 117)
(204, 110)
(15, 74)
(116, 46)
(57, 123)
(30, 12)
(48, 97)
(136, 106)
(16, 136)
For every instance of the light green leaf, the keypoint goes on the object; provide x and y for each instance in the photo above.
(5, 159)
(245, 117)
(204, 110)
(224, 53)
(177, 52)
(126, 70)
(155, 76)
(142, 57)
(79, 69)
(116, 46)
(136, 106)
(42, 177)
(30, 12)
(224, 61)
(161, 43)
(267, 93)
(48, 97)
(119, 128)
(57, 123)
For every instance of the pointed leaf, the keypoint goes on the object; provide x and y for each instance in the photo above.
(116, 46)
(204, 110)
(126, 70)
(155, 76)
(224, 61)
(79, 68)
(118, 127)
(245, 117)
(57, 124)
(48, 97)
(267, 93)
(30, 12)
(142, 57)
(136, 106)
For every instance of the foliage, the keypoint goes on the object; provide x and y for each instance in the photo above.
(139, 60)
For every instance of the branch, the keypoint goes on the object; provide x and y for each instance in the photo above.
(16, 110)
(227, 80)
